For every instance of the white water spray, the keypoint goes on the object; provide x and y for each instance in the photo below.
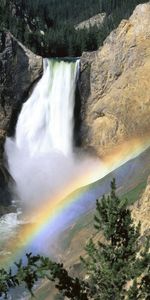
(46, 120)
(40, 157)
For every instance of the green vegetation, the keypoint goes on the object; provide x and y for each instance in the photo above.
(117, 269)
(48, 26)
(82, 223)
(135, 193)
(85, 222)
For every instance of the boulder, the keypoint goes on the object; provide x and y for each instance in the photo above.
(115, 86)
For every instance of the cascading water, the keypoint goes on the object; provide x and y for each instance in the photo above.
(46, 120)
(40, 157)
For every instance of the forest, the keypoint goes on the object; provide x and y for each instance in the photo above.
(47, 27)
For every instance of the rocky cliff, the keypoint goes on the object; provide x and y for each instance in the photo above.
(19, 69)
(141, 211)
(115, 85)
(96, 20)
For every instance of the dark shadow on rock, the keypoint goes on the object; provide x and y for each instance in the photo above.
(77, 118)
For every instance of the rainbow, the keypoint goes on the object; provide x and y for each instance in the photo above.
(56, 213)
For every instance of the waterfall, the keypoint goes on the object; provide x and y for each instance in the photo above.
(46, 120)
(40, 156)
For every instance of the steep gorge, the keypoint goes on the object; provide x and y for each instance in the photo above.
(113, 89)
(114, 92)
(114, 83)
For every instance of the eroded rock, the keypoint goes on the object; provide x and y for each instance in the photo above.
(96, 20)
(117, 105)
(141, 211)
(19, 69)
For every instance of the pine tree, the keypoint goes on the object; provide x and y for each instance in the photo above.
(112, 265)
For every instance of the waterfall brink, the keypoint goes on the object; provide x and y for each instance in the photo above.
(46, 120)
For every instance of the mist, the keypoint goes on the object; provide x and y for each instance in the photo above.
(43, 176)
(41, 157)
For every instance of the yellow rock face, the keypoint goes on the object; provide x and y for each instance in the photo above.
(118, 106)
(141, 211)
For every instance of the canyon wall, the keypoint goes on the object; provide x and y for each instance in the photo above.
(115, 86)
(19, 69)
(141, 211)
